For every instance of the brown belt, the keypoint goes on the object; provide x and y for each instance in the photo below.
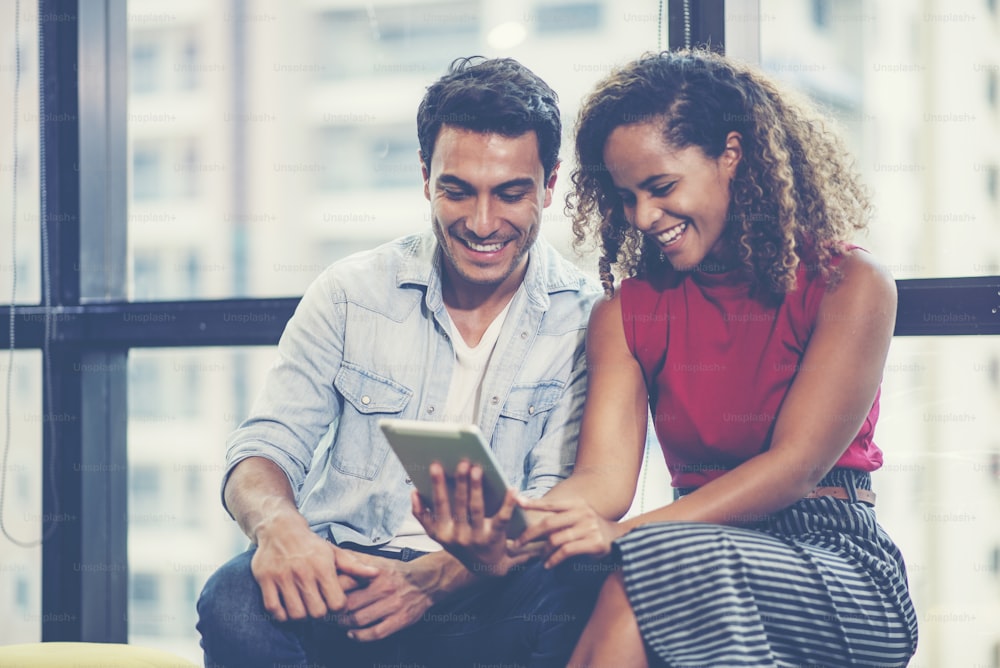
(862, 495)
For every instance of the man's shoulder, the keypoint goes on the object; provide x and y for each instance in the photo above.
(381, 270)
(568, 293)
(559, 275)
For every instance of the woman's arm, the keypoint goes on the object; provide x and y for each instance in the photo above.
(612, 437)
(825, 407)
(613, 432)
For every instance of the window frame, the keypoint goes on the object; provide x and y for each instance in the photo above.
(89, 324)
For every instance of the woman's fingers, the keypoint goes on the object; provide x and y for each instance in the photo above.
(555, 520)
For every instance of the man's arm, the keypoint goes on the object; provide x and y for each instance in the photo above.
(297, 570)
(407, 590)
(268, 458)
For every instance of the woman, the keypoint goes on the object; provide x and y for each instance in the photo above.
(757, 335)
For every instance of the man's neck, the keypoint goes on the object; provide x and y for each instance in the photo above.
(473, 308)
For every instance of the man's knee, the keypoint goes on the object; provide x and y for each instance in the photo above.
(231, 599)
(565, 595)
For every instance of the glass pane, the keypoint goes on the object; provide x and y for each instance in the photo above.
(914, 86)
(914, 89)
(266, 145)
(19, 204)
(182, 405)
(939, 490)
(22, 516)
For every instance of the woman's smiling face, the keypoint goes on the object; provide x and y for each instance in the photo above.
(679, 198)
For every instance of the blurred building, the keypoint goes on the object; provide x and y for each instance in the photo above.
(267, 140)
(914, 86)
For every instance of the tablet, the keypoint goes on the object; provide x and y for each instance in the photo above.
(418, 444)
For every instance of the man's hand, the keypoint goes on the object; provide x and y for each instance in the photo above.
(462, 527)
(396, 598)
(300, 574)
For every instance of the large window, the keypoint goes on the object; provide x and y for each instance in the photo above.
(263, 140)
(23, 520)
(178, 530)
(21, 417)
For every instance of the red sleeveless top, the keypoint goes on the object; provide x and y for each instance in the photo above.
(717, 363)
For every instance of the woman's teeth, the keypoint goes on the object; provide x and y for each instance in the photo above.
(671, 235)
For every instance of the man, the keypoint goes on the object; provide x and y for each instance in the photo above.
(478, 321)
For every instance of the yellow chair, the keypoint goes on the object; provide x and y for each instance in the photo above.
(87, 655)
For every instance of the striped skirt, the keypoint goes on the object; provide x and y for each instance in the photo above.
(817, 584)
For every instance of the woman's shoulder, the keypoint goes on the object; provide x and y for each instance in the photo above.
(863, 286)
(860, 268)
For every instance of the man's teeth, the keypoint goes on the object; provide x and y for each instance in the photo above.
(483, 248)
(671, 235)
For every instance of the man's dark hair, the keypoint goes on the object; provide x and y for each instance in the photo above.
(497, 95)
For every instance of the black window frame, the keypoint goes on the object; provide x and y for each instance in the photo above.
(90, 325)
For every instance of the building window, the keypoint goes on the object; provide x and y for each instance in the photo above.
(193, 507)
(145, 615)
(188, 169)
(145, 276)
(570, 17)
(354, 157)
(192, 274)
(189, 65)
(147, 173)
(144, 389)
(394, 160)
(419, 39)
(23, 485)
(144, 72)
(22, 594)
(144, 499)
(145, 588)
(821, 13)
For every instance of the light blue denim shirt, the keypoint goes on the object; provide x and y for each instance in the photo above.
(371, 339)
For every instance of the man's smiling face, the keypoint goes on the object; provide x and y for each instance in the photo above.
(487, 192)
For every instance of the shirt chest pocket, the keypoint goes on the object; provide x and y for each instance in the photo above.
(529, 402)
(359, 448)
(522, 421)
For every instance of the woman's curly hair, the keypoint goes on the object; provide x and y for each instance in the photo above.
(795, 195)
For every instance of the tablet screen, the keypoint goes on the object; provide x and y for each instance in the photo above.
(418, 444)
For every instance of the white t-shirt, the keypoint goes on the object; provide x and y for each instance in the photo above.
(462, 406)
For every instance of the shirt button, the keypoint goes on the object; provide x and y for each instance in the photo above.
(495, 400)
(430, 410)
(366, 400)
(531, 410)
(524, 335)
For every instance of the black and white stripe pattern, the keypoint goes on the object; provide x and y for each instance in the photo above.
(818, 584)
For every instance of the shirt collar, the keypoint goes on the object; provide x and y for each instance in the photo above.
(422, 258)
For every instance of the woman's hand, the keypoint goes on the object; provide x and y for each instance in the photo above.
(571, 528)
(461, 525)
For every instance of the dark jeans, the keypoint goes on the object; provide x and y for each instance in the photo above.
(531, 617)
